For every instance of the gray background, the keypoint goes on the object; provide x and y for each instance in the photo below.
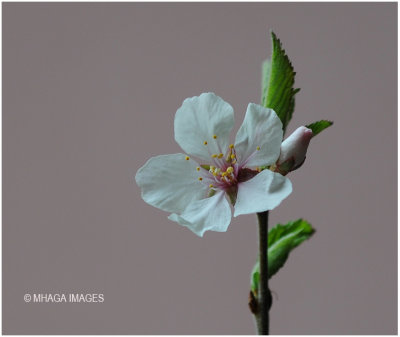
(89, 94)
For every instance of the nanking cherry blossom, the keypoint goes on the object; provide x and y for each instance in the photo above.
(195, 187)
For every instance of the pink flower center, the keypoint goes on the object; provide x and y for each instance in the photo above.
(225, 172)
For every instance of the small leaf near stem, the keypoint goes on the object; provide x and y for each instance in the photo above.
(282, 239)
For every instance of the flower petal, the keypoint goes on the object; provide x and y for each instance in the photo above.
(170, 182)
(259, 138)
(210, 214)
(262, 193)
(206, 119)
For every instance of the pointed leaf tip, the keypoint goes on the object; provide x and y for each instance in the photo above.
(278, 81)
(319, 126)
(282, 239)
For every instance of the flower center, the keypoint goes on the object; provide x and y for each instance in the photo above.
(226, 176)
(224, 172)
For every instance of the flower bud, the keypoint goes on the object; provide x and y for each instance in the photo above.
(293, 150)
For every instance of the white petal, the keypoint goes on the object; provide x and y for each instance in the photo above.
(198, 120)
(210, 214)
(170, 182)
(262, 193)
(261, 129)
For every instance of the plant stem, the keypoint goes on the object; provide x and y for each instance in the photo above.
(264, 294)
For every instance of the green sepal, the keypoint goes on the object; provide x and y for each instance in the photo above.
(277, 83)
(282, 239)
(319, 126)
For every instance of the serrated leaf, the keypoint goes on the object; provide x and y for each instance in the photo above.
(282, 239)
(319, 126)
(277, 83)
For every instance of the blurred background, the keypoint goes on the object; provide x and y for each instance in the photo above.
(89, 94)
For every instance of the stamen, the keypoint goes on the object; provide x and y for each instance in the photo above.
(233, 156)
(198, 168)
(229, 169)
(220, 155)
(258, 148)
(200, 178)
(211, 186)
(231, 146)
(215, 136)
(205, 142)
(187, 158)
(214, 156)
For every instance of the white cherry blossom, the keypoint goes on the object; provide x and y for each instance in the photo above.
(195, 187)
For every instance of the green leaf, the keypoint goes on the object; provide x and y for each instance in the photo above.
(282, 239)
(255, 278)
(266, 71)
(319, 126)
(277, 83)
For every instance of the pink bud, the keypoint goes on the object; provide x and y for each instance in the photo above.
(293, 150)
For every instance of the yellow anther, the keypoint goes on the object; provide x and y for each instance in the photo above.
(198, 168)
(211, 186)
(215, 136)
(229, 169)
(200, 178)
(258, 148)
(214, 156)
(215, 173)
(224, 174)
(233, 156)
(220, 155)
(187, 158)
(205, 142)
(231, 146)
